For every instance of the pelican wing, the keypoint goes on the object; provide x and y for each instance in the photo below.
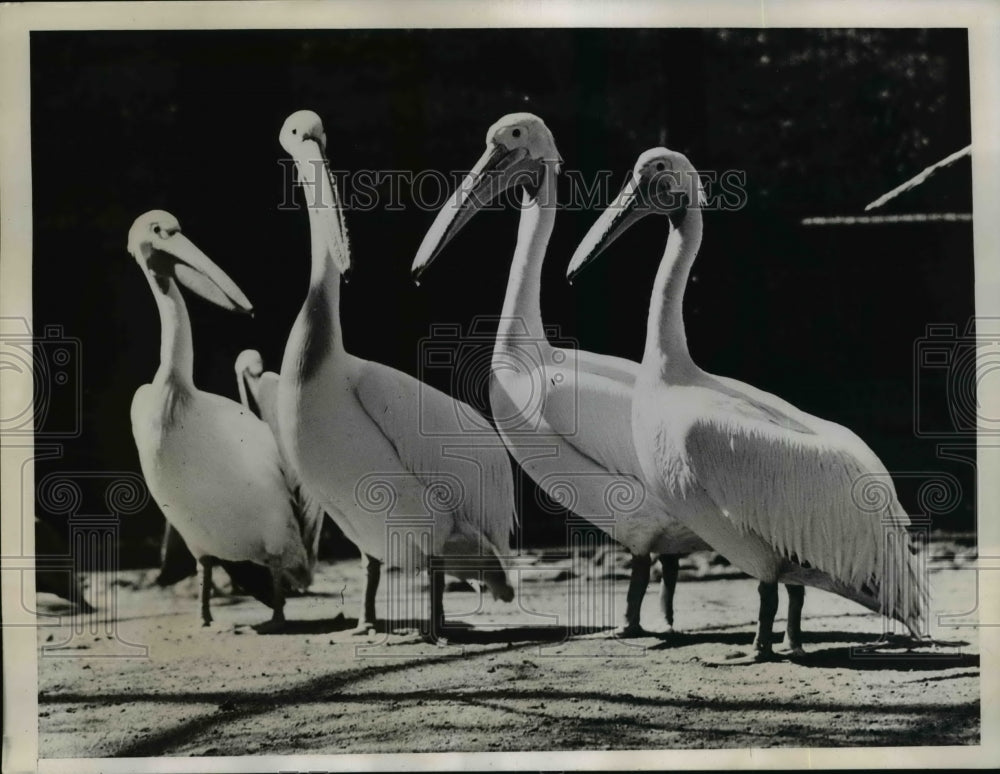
(807, 493)
(618, 369)
(592, 416)
(425, 427)
(590, 412)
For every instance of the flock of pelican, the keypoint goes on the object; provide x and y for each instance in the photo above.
(721, 464)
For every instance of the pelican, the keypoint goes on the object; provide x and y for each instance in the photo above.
(258, 390)
(351, 424)
(48, 542)
(577, 401)
(771, 487)
(212, 467)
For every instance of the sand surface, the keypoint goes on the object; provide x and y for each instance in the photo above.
(541, 673)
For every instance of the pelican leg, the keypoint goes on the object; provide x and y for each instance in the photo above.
(637, 585)
(435, 631)
(762, 650)
(372, 573)
(277, 622)
(670, 565)
(793, 631)
(765, 624)
(205, 565)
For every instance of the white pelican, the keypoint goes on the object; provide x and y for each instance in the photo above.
(577, 401)
(350, 424)
(212, 467)
(258, 391)
(771, 487)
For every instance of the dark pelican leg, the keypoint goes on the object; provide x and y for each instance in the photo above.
(765, 623)
(793, 632)
(176, 562)
(435, 631)
(670, 566)
(205, 564)
(372, 571)
(277, 622)
(637, 585)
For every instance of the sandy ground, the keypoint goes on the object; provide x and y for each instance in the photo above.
(537, 674)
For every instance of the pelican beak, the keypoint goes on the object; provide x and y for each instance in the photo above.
(247, 385)
(629, 207)
(177, 256)
(241, 386)
(324, 204)
(497, 170)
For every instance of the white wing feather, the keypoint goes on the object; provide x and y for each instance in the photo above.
(801, 492)
(421, 422)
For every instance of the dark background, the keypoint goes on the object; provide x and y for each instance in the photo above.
(821, 121)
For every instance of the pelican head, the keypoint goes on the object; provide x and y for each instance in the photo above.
(519, 148)
(663, 182)
(303, 138)
(249, 365)
(164, 253)
(301, 127)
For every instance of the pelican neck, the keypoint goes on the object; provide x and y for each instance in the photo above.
(176, 345)
(521, 319)
(666, 340)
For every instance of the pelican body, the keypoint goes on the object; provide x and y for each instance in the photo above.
(211, 466)
(372, 444)
(575, 403)
(768, 485)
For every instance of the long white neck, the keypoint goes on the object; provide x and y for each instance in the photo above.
(316, 336)
(666, 341)
(522, 309)
(176, 346)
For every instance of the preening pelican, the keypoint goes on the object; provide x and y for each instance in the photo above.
(351, 424)
(258, 391)
(212, 467)
(771, 487)
(578, 402)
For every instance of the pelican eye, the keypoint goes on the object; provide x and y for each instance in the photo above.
(516, 133)
(660, 166)
(156, 228)
(295, 131)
